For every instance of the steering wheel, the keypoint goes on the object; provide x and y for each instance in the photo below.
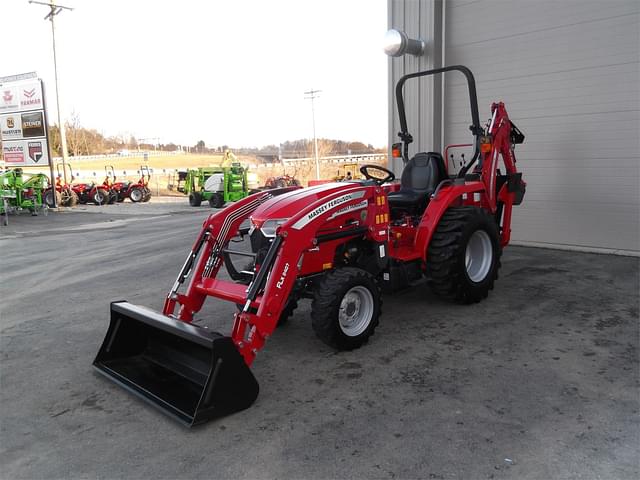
(374, 173)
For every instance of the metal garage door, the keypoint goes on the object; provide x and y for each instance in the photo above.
(568, 72)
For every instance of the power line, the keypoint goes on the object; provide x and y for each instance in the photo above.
(312, 95)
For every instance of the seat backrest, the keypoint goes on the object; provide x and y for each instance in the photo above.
(423, 172)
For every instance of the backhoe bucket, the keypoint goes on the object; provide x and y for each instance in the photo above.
(186, 371)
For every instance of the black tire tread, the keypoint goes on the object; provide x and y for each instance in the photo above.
(326, 300)
(445, 265)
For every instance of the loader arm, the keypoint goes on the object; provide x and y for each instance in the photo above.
(205, 258)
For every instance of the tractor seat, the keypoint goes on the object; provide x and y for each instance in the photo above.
(420, 177)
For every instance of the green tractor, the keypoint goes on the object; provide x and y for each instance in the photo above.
(217, 185)
(20, 191)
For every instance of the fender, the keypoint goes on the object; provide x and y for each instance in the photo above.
(447, 196)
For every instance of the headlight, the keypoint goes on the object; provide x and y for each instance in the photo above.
(269, 227)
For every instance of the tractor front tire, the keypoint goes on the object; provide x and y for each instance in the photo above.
(69, 198)
(195, 199)
(101, 197)
(136, 195)
(216, 201)
(464, 255)
(346, 308)
(48, 197)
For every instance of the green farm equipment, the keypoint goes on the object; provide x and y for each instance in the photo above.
(21, 191)
(217, 185)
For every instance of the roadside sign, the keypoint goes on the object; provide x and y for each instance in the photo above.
(23, 122)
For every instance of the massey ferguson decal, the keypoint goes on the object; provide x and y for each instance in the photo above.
(325, 207)
(8, 99)
(350, 208)
(35, 151)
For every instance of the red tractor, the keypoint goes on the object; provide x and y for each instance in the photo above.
(281, 182)
(64, 194)
(100, 194)
(339, 244)
(134, 191)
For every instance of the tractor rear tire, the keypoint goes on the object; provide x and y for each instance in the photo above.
(195, 199)
(101, 197)
(346, 308)
(69, 198)
(136, 195)
(48, 196)
(216, 201)
(464, 255)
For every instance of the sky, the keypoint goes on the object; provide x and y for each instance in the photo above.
(228, 72)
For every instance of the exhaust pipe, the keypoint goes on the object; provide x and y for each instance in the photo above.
(189, 373)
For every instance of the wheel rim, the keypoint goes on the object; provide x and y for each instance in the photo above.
(479, 256)
(136, 195)
(356, 311)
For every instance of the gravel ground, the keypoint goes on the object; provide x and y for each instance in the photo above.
(539, 381)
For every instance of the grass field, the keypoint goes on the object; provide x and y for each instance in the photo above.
(164, 168)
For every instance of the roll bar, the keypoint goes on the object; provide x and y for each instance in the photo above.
(475, 127)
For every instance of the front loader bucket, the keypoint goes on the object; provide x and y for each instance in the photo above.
(186, 371)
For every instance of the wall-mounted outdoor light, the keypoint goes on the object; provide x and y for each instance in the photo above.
(398, 43)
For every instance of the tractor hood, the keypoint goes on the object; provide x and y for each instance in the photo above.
(288, 204)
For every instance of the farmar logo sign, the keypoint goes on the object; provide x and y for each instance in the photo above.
(31, 98)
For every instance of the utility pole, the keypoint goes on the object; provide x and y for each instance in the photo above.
(312, 95)
(55, 9)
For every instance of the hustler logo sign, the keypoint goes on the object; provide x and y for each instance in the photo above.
(10, 129)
